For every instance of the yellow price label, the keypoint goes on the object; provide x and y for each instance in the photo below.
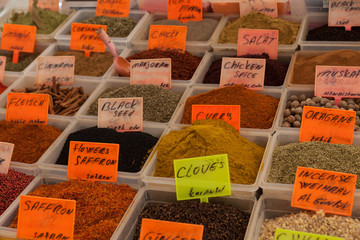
(283, 234)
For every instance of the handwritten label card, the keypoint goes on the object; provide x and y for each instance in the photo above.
(337, 82)
(84, 38)
(2, 68)
(157, 229)
(228, 113)
(316, 189)
(40, 217)
(27, 108)
(119, 8)
(186, 10)
(52, 5)
(61, 67)
(151, 71)
(93, 161)
(344, 13)
(283, 234)
(167, 37)
(327, 125)
(6, 151)
(249, 72)
(18, 38)
(267, 7)
(121, 114)
(202, 177)
(258, 41)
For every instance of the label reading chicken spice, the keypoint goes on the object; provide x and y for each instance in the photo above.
(6, 151)
(60, 67)
(267, 7)
(110, 8)
(167, 37)
(344, 13)
(185, 10)
(283, 234)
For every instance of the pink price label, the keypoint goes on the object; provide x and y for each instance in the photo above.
(151, 71)
(121, 114)
(52, 5)
(60, 67)
(2, 68)
(6, 151)
(344, 14)
(247, 71)
(337, 82)
(267, 7)
(258, 41)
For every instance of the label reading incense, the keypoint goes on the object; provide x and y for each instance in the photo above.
(344, 13)
(316, 189)
(93, 161)
(121, 114)
(202, 177)
(283, 234)
(267, 7)
(110, 8)
(151, 71)
(60, 67)
(228, 113)
(27, 108)
(2, 68)
(157, 229)
(6, 151)
(167, 37)
(258, 41)
(84, 38)
(249, 72)
(185, 10)
(52, 5)
(46, 218)
(327, 125)
(337, 82)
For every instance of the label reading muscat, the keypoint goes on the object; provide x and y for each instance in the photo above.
(185, 10)
(60, 67)
(267, 7)
(167, 37)
(110, 8)
(283, 234)
(344, 13)
(6, 151)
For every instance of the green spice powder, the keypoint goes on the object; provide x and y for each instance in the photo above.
(25, 60)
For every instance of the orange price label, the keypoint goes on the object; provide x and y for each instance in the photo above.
(344, 13)
(316, 189)
(228, 113)
(267, 7)
(27, 108)
(249, 72)
(157, 229)
(167, 37)
(18, 38)
(327, 125)
(258, 41)
(52, 5)
(93, 161)
(60, 67)
(46, 218)
(186, 10)
(84, 38)
(6, 151)
(119, 8)
(151, 71)
(2, 68)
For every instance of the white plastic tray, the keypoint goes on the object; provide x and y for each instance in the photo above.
(9, 80)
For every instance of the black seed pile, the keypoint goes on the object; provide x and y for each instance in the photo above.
(326, 33)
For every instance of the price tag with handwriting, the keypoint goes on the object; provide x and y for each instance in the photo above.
(316, 189)
(84, 38)
(167, 37)
(202, 177)
(258, 41)
(52, 5)
(2, 68)
(119, 8)
(283, 234)
(27, 108)
(249, 72)
(6, 151)
(157, 229)
(228, 113)
(344, 13)
(184, 11)
(151, 71)
(46, 218)
(267, 7)
(121, 114)
(18, 38)
(60, 67)
(93, 161)
(327, 125)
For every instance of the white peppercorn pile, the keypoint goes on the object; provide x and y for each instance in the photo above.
(335, 226)
(295, 103)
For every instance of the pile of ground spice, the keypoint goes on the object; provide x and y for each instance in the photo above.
(99, 207)
(220, 221)
(31, 140)
(96, 65)
(183, 65)
(25, 59)
(2, 87)
(326, 33)
(257, 110)
(275, 72)
(116, 26)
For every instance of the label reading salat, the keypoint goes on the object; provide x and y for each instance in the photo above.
(60, 67)
(344, 13)
(267, 7)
